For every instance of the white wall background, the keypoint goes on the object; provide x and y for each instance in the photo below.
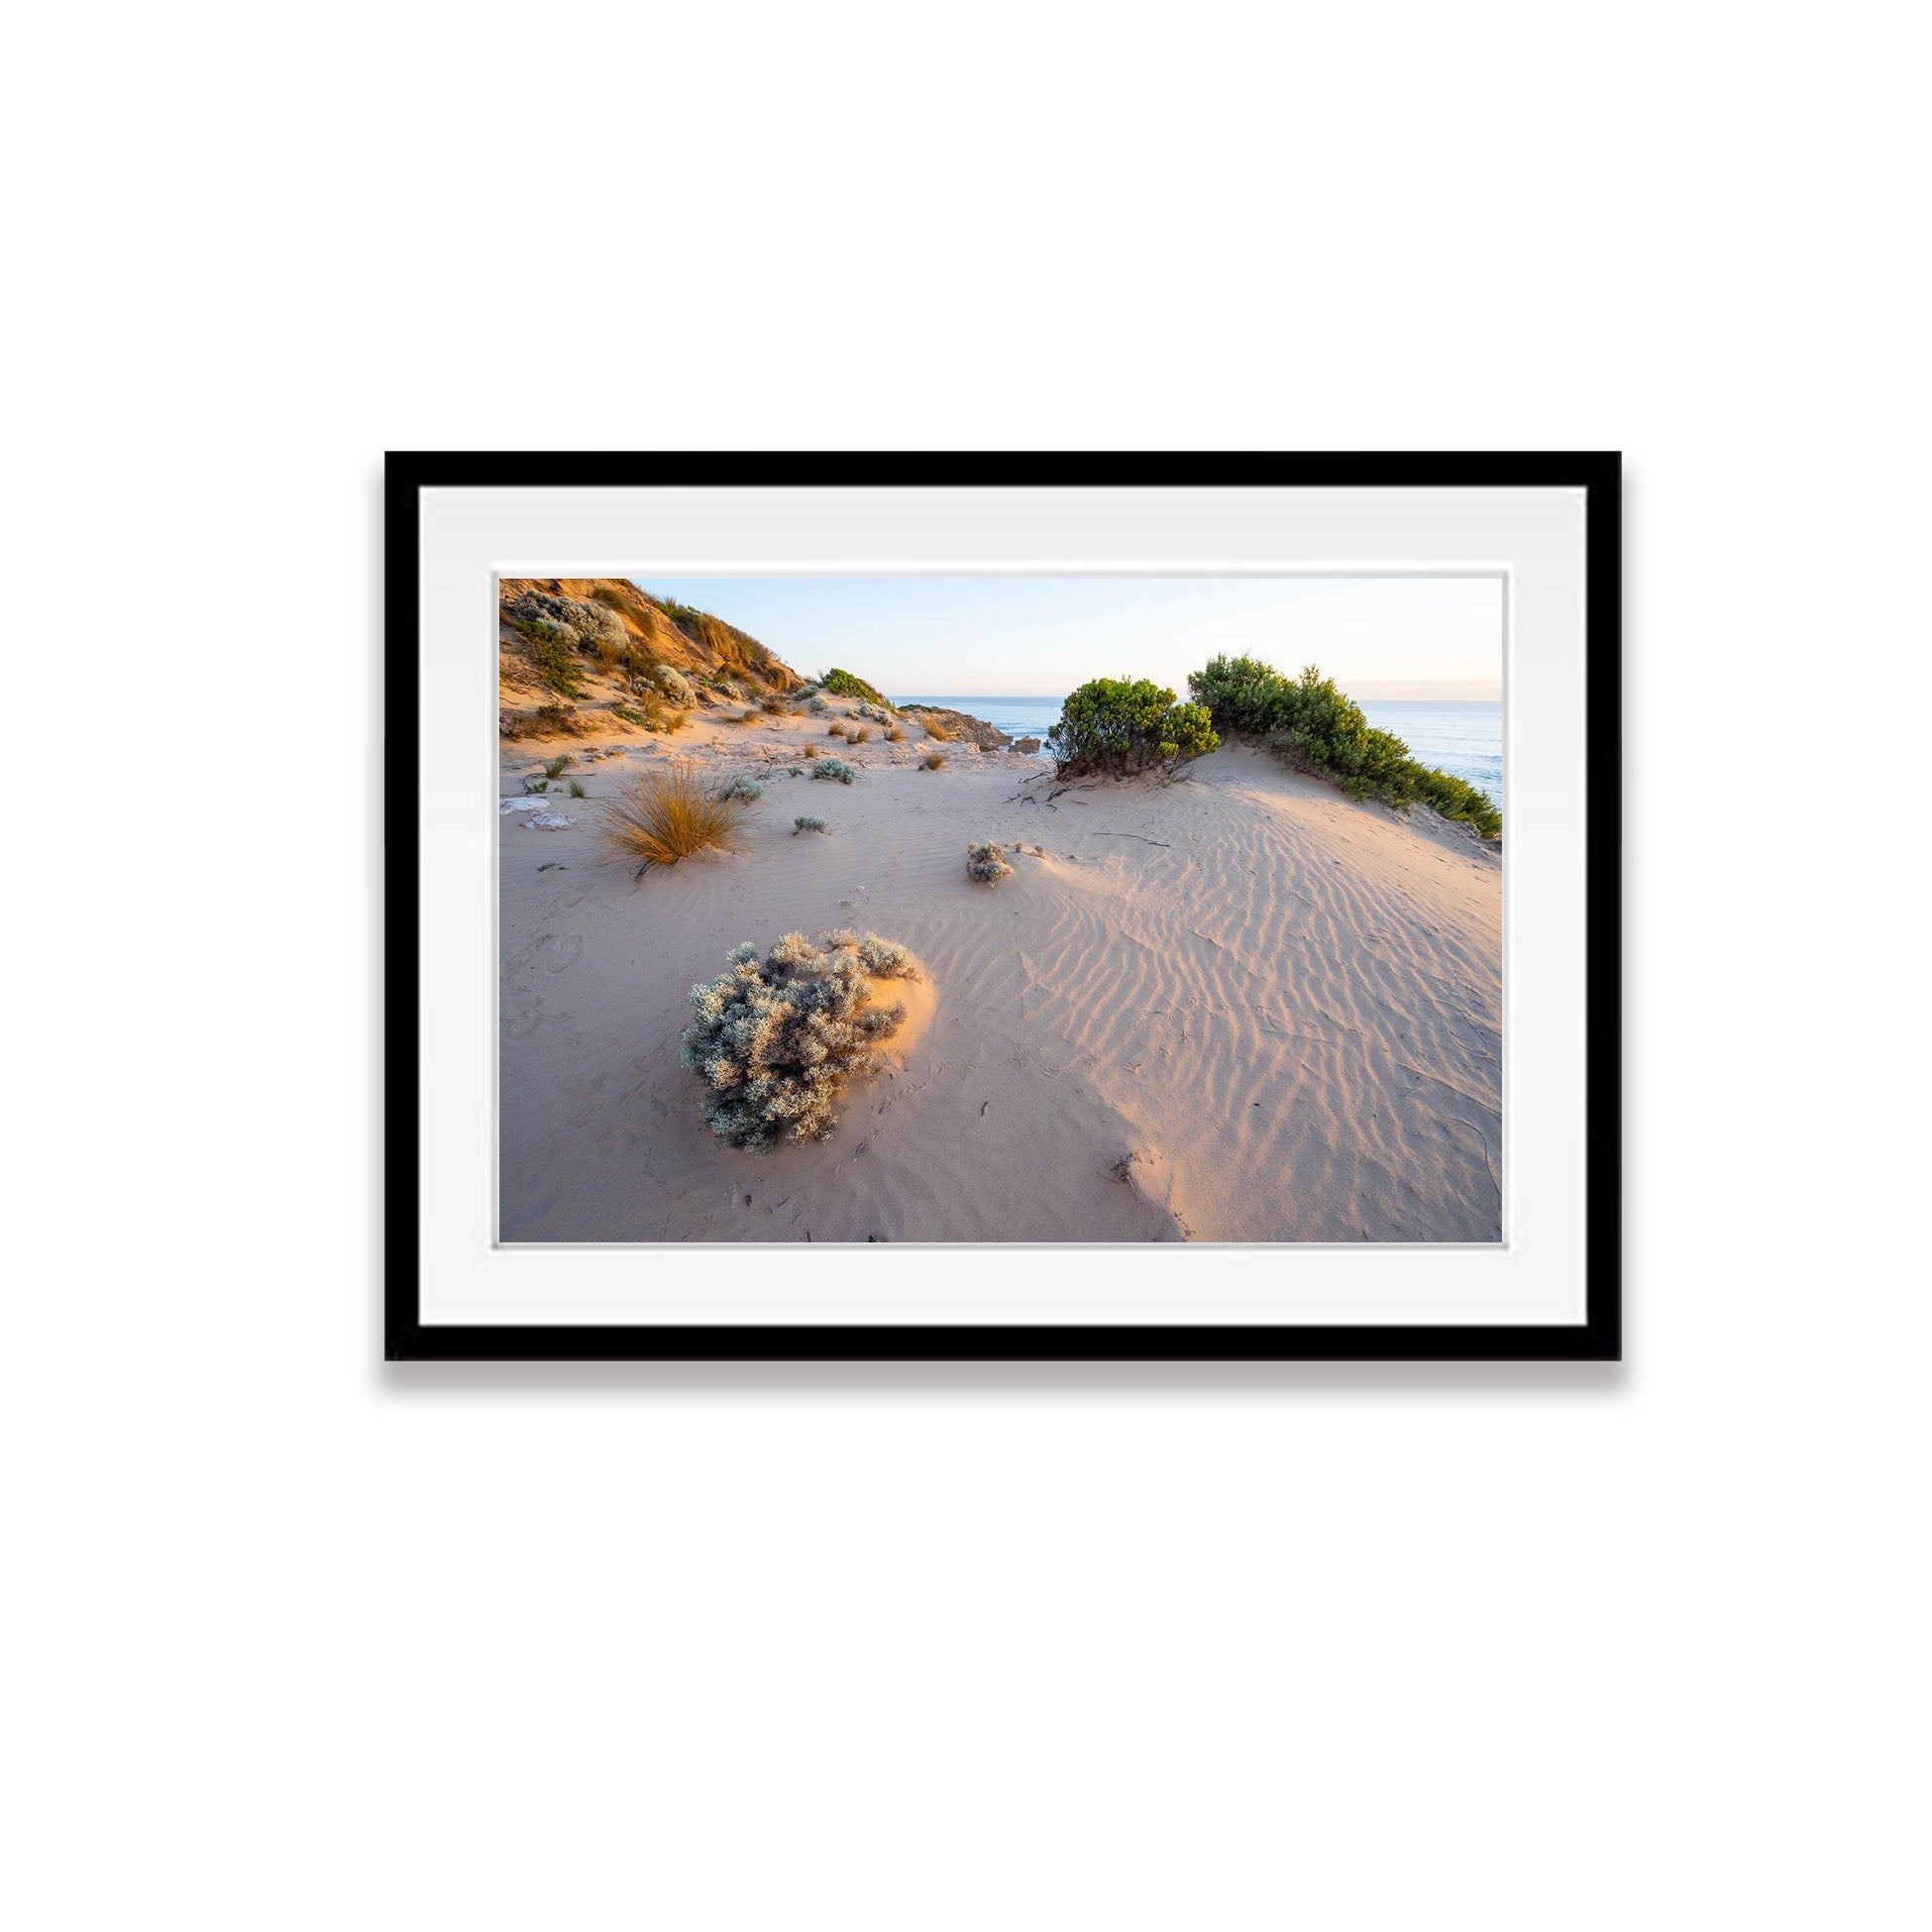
(295, 1642)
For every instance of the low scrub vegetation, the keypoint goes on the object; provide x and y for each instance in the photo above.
(932, 760)
(896, 736)
(934, 729)
(810, 751)
(650, 713)
(986, 863)
(745, 788)
(555, 767)
(843, 683)
(774, 1038)
(806, 822)
(576, 789)
(676, 685)
(816, 703)
(561, 632)
(656, 819)
(1321, 730)
(857, 735)
(1122, 725)
(834, 767)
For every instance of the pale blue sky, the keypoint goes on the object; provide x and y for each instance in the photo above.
(1016, 636)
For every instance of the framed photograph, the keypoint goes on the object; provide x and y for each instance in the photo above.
(1019, 907)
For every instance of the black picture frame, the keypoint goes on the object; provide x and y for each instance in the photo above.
(1598, 1337)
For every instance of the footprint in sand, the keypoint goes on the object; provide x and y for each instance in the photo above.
(564, 953)
(522, 1013)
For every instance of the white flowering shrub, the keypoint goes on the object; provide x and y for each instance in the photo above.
(987, 863)
(774, 1038)
(834, 767)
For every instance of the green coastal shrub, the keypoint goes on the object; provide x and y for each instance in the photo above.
(817, 704)
(773, 1040)
(1120, 725)
(806, 822)
(834, 767)
(746, 789)
(987, 864)
(1318, 729)
(843, 683)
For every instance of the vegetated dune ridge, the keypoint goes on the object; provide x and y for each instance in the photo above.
(1236, 1008)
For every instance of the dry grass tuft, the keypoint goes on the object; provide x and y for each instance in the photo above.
(857, 735)
(932, 760)
(661, 816)
(896, 736)
(555, 767)
(811, 751)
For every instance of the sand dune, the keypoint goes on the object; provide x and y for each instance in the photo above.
(1239, 1008)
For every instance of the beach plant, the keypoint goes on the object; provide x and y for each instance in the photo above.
(896, 736)
(986, 863)
(857, 735)
(810, 751)
(1317, 728)
(842, 684)
(536, 786)
(806, 822)
(576, 789)
(934, 729)
(816, 703)
(837, 730)
(834, 767)
(932, 760)
(774, 1038)
(676, 685)
(559, 629)
(555, 767)
(657, 818)
(745, 788)
(651, 714)
(1122, 725)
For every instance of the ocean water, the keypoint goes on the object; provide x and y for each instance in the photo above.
(1464, 739)
(1017, 717)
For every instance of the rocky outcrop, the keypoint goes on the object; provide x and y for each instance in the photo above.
(961, 724)
(1025, 744)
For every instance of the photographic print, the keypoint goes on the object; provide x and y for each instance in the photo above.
(1076, 906)
(1001, 909)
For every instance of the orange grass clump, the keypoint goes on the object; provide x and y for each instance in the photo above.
(932, 760)
(658, 818)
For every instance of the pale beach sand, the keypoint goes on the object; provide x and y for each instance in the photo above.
(1276, 1012)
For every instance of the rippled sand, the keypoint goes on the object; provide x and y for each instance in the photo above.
(1240, 1007)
